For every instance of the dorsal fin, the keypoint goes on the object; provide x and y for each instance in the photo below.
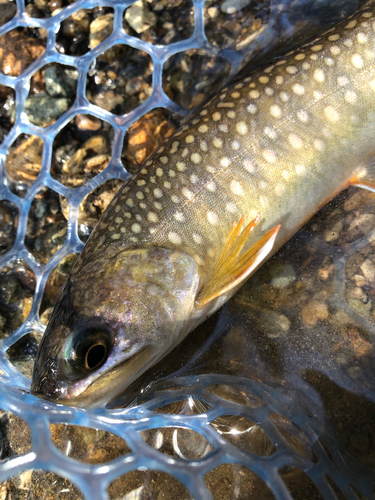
(232, 267)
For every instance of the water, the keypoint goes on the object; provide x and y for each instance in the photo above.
(271, 398)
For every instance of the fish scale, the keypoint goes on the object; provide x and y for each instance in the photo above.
(271, 149)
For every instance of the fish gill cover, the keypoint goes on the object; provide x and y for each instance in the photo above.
(191, 434)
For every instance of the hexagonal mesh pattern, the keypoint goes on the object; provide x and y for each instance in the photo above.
(95, 480)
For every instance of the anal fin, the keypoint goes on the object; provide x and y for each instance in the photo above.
(232, 266)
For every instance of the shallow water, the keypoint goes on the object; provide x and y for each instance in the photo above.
(273, 397)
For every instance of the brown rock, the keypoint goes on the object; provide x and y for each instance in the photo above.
(23, 163)
(313, 312)
(18, 51)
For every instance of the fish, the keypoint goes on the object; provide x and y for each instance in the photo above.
(223, 194)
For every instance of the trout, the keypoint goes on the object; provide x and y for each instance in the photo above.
(219, 198)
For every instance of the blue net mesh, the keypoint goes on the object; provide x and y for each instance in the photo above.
(325, 456)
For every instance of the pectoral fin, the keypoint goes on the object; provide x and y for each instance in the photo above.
(232, 266)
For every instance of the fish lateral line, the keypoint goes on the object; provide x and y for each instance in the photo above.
(232, 266)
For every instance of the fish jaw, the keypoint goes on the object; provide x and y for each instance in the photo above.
(115, 318)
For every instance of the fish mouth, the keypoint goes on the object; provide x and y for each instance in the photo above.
(95, 393)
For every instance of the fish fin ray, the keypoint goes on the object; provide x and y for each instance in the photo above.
(232, 266)
(366, 179)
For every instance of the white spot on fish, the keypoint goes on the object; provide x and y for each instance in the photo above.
(357, 61)
(174, 238)
(292, 70)
(225, 162)
(362, 38)
(270, 132)
(203, 129)
(211, 186)
(152, 217)
(189, 139)
(299, 57)
(279, 80)
(303, 116)
(236, 188)
(280, 189)
(164, 159)
(249, 166)
(252, 109)
(331, 114)
(254, 94)
(216, 117)
(351, 24)
(158, 205)
(175, 199)
(212, 217)
(130, 202)
(116, 236)
(181, 167)
(195, 158)
(235, 145)
(140, 195)
(223, 128)
(284, 96)
(335, 50)
(275, 111)
(263, 79)
(136, 228)
(231, 208)
(316, 48)
(319, 75)
(319, 145)
(158, 193)
(334, 38)
(295, 141)
(203, 146)
(217, 142)
(241, 128)
(187, 193)
(197, 238)
(301, 170)
(350, 97)
(269, 156)
(298, 89)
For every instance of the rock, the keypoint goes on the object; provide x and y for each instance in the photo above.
(88, 122)
(23, 163)
(61, 81)
(283, 275)
(43, 110)
(313, 312)
(361, 308)
(7, 12)
(368, 269)
(361, 225)
(18, 51)
(100, 29)
(139, 17)
(76, 24)
(232, 6)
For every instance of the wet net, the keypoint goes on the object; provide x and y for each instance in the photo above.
(197, 465)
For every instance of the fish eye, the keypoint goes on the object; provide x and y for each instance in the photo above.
(95, 356)
(87, 349)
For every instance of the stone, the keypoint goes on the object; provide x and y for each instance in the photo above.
(23, 163)
(18, 51)
(76, 24)
(139, 17)
(43, 110)
(61, 81)
(313, 312)
(233, 6)
(362, 224)
(361, 308)
(283, 275)
(368, 269)
(7, 12)
(88, 122)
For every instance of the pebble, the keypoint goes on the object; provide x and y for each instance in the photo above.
(61, 81)
(88, 122)
(232, 6)
(361, 308)
(362, 224)
(43, 110)
(7, 12)
(76, 24)
(368, 269)
(18, 51)
(139, 17)
(100, 29)
(283, 275)
(313, 312)
(23, 162)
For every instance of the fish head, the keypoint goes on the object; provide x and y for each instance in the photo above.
(115, 317)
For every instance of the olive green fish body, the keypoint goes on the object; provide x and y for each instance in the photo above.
(274, 147)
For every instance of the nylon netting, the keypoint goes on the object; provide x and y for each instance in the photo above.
(94, 480)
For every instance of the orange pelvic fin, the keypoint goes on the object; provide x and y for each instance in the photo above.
(366, 179)
(232, 266)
